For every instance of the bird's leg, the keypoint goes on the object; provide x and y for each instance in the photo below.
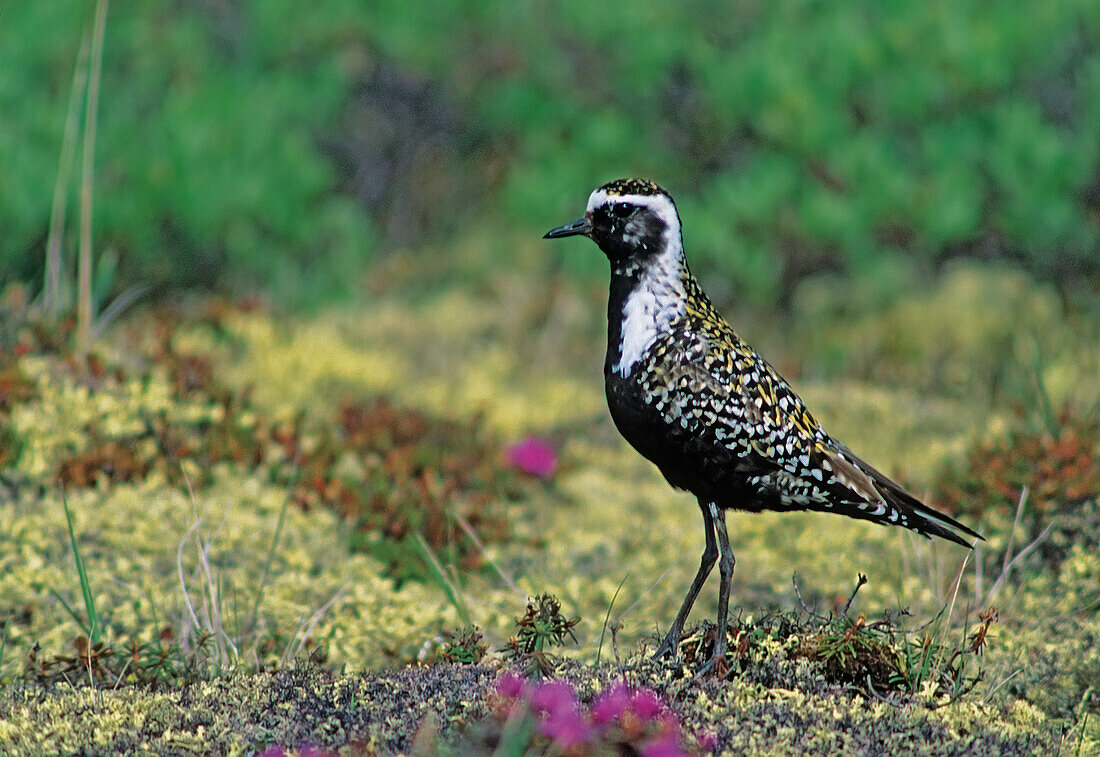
(710, 554)
(726, 564)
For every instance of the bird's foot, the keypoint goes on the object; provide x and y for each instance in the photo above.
(670, 647)
(716, 665)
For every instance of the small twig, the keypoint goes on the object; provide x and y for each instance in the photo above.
(959, 694)
(978, 572)
(117, 307)
(992, 691)
(859, 582)
(955, 593)
(448, 587)
(122, 673)
(807, 610)
(294, 478)
(615, 627)
(91, 107)
(51, 298)
(183, 583)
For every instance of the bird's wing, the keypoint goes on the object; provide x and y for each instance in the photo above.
(722, 389)
(727, 392)
(716, 387)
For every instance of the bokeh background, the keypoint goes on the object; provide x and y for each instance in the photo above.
(284, 147)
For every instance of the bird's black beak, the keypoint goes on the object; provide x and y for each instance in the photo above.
(580, 226)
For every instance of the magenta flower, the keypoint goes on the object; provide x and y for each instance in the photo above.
(554, 696)
(610, 704)
(534, 456)
(666, 744)
(511, 686)
(645, 704)
(561, 717)
(566, 727)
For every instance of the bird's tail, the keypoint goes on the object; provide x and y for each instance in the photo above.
(903, 509)
(924, 520)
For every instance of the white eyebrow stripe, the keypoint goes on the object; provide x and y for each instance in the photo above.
(659, 204)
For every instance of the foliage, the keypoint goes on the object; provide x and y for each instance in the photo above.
(440, 708)
(1049, 476)
(1035, 485)
(542, 627)
(462, 647)
(604, 523)
(398, 474)
(207, 160)
(799, 139)
(880, 658)
(965, 335)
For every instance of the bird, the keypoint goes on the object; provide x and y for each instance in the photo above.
(702, 405)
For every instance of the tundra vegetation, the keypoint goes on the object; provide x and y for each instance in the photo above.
(309, 452)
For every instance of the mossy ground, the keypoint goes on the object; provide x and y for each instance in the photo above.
(185, 555)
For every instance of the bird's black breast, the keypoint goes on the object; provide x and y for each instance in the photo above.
(687, 459)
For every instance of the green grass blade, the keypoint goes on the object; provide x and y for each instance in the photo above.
(93, 629)
(72, 613)
(441, 578)
(255, 615)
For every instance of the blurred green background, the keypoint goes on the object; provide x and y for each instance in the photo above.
(284, 147)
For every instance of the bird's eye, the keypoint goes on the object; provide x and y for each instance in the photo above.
(621, 210)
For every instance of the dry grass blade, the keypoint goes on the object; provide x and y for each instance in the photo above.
(1019, 556)
(292, 649)
(87, 180)
(51, 298)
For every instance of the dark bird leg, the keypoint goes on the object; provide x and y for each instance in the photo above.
(725, 572)
(710, 555)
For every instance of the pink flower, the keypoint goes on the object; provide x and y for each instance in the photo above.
(554, 696)
(562, 720)
(645, 704)
(666, 744)
(511, 686)
(534, 456)
(610, 704)
(566, 727)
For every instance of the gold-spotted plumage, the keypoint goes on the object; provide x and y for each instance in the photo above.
(707, 409)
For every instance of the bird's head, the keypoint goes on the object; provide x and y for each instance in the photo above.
(632, 220)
